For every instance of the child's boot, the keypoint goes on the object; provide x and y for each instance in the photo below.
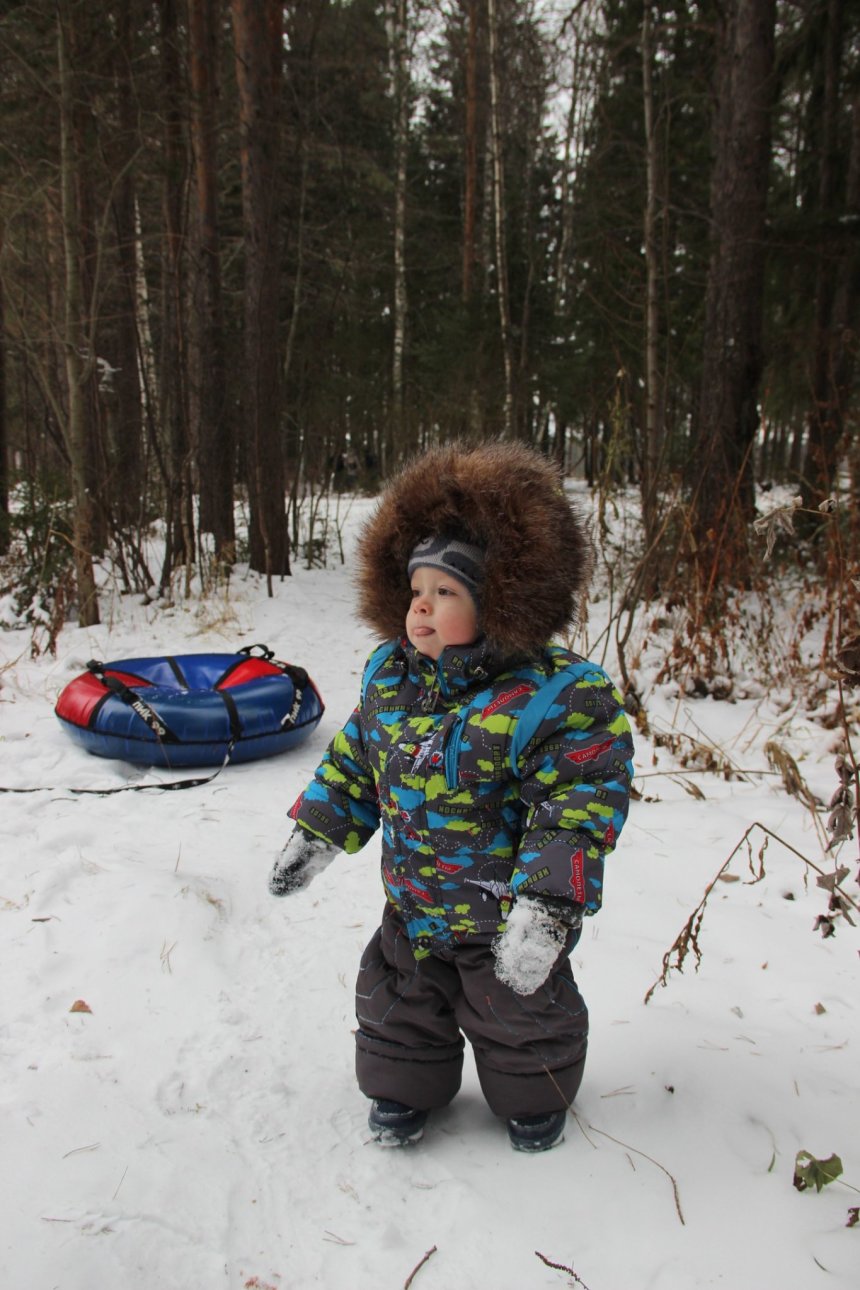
(536, 1132)
(394, 1124)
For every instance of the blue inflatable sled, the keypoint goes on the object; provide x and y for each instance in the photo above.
(191, 709)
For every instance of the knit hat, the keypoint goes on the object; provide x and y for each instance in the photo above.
(462, 559)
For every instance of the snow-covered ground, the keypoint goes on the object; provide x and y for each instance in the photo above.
(200, 1126)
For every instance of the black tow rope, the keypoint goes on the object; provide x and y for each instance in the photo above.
(172, 784)
(160, 729)
(164, 734)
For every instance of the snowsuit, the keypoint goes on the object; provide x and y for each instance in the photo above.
(485, 786)
(503, 768)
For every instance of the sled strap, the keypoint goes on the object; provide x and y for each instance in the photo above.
(265, 653)
(159, 728)
(232, 715)
(301, 681)
(297, 675)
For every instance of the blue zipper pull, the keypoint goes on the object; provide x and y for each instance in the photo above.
(452, 751)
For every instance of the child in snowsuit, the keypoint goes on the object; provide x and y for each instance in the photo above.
(498, 766)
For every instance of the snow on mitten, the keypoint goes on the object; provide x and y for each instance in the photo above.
(527, 949)
(301, 860)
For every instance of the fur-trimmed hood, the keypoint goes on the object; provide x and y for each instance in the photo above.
(509, 499)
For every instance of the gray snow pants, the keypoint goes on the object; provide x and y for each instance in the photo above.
(529, 1050)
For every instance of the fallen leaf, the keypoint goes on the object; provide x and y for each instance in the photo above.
(80, 1006)
(811, 1172)
(819, 1009)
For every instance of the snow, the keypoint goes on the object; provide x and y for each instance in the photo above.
(526, 953)
(200, 1125)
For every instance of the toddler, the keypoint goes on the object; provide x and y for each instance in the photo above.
(498, 766)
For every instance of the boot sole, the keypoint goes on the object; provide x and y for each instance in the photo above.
(393, 1138)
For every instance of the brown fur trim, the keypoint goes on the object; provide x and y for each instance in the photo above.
(509, 499)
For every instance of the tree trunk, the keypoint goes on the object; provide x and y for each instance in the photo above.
(653, 398)
(399, 67)
(4, 437)
(292, 331)
(470, 179)
(502, 289)
(173, 357)
(82, 54)
(570, 159)
(126, 448)
(78, 368)
(723, 499)
(258, 38)
(826, 414)
(214, 437)
(845, 314)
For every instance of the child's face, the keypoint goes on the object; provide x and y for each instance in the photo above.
(442, 612)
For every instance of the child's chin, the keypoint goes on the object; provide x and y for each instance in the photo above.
(426, 646)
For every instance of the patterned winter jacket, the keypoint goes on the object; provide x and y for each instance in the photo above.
(485, 785)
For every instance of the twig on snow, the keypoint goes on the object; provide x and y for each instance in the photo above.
(619, 1143)
(418, 1266)
(644, 1156)
(688, 938)
(702, 770)
(561, 1267)
(93, 1146)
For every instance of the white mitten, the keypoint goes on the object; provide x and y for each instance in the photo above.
(299, 863)
(527, 949)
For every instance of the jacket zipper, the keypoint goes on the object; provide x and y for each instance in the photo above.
(452, 751)
(431, 697)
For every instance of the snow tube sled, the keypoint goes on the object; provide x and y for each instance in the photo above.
(191, 709)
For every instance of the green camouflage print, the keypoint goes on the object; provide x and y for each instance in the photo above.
(485, 784)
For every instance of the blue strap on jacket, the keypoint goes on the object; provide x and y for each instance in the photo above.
(532, 715)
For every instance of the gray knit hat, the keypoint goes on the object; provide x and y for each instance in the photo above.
(462, 559)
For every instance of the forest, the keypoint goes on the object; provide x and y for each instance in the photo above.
(255, 251)
(254, 255)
